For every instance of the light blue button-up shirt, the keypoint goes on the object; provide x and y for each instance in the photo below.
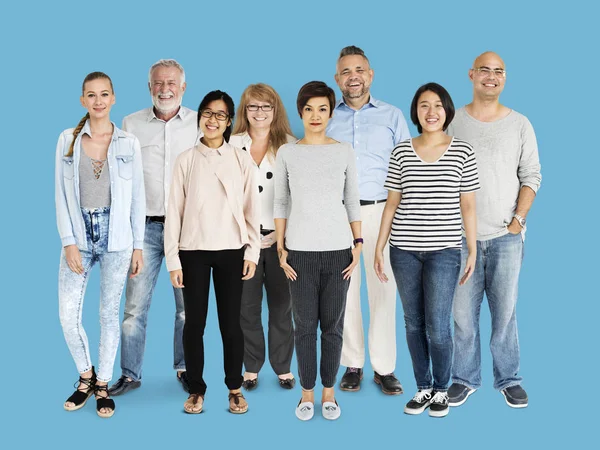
(127, 196)
(374, 131)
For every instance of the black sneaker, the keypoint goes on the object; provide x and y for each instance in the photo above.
(419, 402)
(458, 394)
(439, 405)
(515, 397)
(351, 379)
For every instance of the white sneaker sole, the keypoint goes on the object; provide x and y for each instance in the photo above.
(471, 391)
(512, 405)
(415, 412)
(443, 413)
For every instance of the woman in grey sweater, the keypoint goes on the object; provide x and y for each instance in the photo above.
(317, 216)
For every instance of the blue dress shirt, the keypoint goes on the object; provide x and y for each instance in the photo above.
(373, 131)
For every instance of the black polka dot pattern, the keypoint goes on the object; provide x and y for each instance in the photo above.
(260, 189)
(269, 175)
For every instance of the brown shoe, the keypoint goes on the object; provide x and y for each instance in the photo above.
(191, 404)
(237, 403)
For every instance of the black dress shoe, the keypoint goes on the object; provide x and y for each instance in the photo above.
(123, 385)
(185, 383)
(389, 384)
(288, 383)
(250, 385)
(351, 379)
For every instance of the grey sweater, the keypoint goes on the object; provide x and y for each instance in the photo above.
(507, 159)
(316, 190)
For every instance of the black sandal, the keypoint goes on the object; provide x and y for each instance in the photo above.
(79, 397)
(104, 402)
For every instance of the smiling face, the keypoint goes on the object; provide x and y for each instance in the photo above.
(259, 119)
(98, 97)
(316, 114)
(166, 88)
(431, 113)
(487, 85)
(213, 127)
(354, 76)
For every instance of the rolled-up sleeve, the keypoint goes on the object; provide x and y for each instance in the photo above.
(529, 171)
(281, 186)
(351, 194)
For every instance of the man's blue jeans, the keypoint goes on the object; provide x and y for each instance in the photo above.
(497, 274)
(138, 297)
(426, 283)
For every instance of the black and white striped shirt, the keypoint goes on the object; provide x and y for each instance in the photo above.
(428, 217)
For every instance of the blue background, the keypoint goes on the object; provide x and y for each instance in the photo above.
(551, 54)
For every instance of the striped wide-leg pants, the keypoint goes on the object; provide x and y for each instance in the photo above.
(319, 297)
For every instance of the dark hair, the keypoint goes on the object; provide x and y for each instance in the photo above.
(219, 95)
(442, 93)
(315, 89)
(352, 50)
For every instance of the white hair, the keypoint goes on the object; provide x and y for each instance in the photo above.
(167, 63)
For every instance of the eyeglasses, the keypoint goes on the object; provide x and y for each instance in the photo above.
(264, 108)
(221, 116)
(485, 71)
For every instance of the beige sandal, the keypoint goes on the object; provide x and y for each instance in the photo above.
(193, 401)
(235, 407)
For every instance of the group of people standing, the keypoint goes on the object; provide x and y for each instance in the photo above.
(246, 203)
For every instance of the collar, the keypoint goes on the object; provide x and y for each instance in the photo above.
(117, 132)
(151, 115)
(206, 150)
(372, 101)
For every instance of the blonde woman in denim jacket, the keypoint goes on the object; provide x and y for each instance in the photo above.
(100, 209)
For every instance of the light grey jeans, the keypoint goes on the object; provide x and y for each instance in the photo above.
(71, 289)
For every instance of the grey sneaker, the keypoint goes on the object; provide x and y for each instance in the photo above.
(515, 396)
(331, 410)
(458, 394)
(305, 410)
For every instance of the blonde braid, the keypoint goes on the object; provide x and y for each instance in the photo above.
(76, 132)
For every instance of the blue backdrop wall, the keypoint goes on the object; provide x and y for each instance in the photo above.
(552, 60)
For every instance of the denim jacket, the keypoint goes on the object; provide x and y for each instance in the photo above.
(127, 195)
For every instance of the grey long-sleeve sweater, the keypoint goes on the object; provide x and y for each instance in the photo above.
(316, 190)
(507, 159)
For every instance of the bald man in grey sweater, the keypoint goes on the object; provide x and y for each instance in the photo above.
(509, 172)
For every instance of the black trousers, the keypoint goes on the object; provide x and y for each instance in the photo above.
(281, 330)
(226, 266)
(319, 298)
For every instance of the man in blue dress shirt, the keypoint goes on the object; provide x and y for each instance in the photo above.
(373, 128)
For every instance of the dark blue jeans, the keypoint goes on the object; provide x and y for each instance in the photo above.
(426, 283)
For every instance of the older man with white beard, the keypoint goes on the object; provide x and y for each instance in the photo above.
(164, 131)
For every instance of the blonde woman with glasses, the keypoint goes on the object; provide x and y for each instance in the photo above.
(261, 128)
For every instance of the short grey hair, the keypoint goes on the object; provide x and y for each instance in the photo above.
(167, 63)
(352, 50)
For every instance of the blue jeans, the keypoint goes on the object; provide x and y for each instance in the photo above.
(137, 304)
(497, 274)
(71, 290)
(426, 283)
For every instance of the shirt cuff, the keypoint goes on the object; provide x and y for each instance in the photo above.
(251, 254)
(173, 263)
(534, 186)
(138, 245)
(69, 240)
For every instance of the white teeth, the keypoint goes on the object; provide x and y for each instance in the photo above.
(259, 118)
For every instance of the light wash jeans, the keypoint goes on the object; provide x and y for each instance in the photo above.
(426, 282)
(71, 290)
(497, 274)
(137, 304)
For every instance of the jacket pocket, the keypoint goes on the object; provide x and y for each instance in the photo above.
(125, 163)
(68, 169)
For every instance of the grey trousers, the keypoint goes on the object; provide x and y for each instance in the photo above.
(281, 330)
(319, 298)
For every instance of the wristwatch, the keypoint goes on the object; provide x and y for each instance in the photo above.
(520, 219)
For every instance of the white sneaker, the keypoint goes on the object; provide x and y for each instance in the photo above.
(331, 410)
(305, 410)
